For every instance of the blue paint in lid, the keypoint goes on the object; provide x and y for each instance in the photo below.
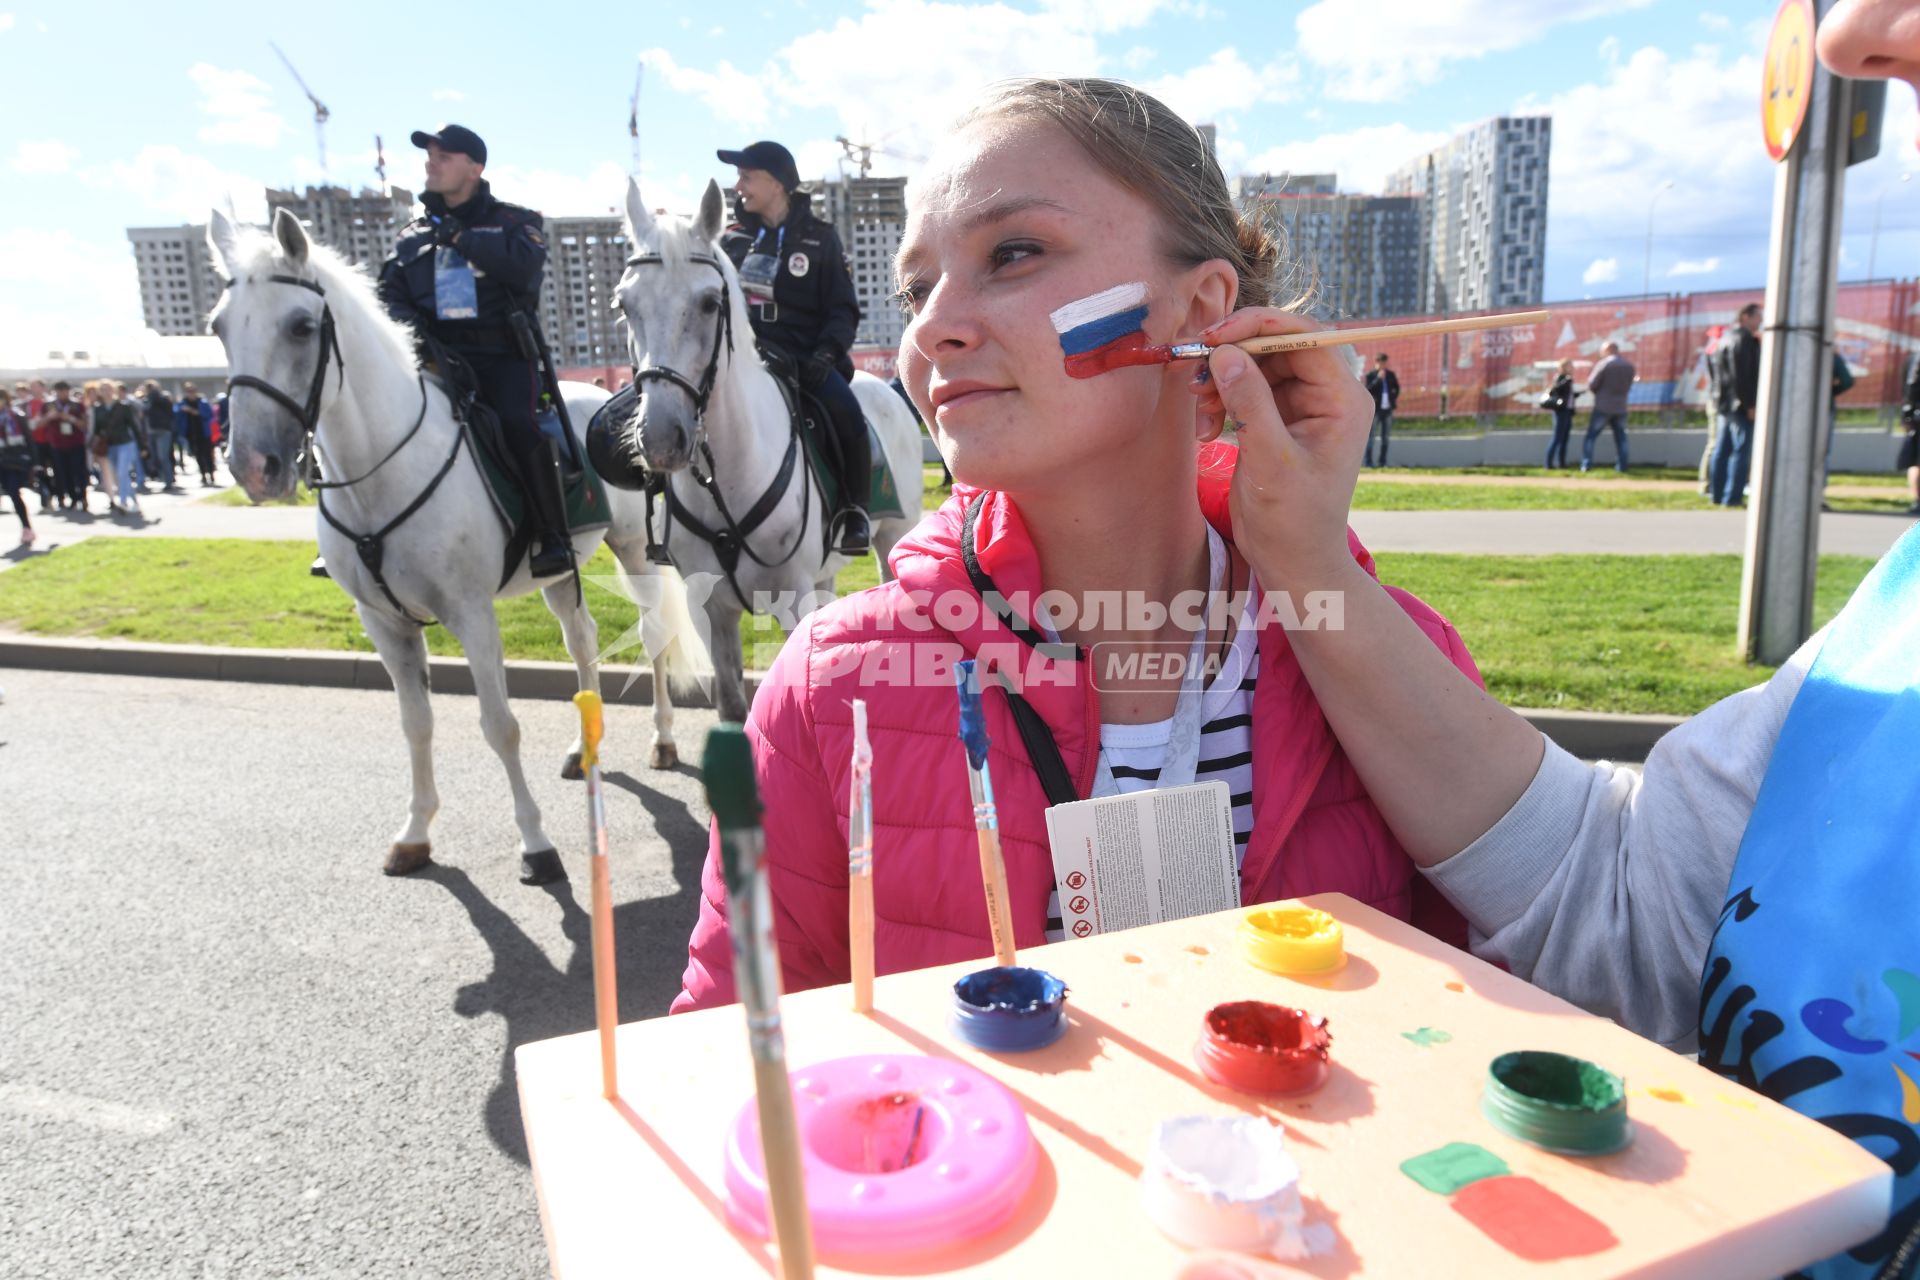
(1009, 1010)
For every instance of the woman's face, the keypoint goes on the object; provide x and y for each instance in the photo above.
(1873, 40)
(1011, 221)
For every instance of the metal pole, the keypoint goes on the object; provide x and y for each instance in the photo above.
(1646, 274)
(1796, 391)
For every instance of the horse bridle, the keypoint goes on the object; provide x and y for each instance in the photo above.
(308, 415)
(370, 547)
(722, 341)
(730, 541)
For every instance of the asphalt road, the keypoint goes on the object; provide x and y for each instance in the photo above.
(232, 1047)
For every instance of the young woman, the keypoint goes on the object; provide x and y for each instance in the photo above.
(1752, 893)
(1106, 489)
(1560, 398)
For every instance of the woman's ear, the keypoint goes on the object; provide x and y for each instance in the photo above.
(1211, 290)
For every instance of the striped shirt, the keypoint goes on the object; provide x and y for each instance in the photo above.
(1136, 752)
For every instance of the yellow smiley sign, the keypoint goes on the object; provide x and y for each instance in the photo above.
(1786, 77)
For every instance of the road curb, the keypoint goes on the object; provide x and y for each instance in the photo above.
(1591, 735)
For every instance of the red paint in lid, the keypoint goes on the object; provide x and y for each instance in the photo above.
(1256, 1047)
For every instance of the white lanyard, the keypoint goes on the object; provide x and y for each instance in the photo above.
(1183, 737)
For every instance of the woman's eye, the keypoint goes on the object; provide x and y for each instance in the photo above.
(1014, 251)
(911, 297)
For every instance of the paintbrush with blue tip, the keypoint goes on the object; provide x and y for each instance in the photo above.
(734, 797)
(986, 818)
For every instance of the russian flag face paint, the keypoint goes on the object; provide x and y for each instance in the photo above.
(1104, 331)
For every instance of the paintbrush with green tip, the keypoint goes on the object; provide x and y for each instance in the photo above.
(735, 800)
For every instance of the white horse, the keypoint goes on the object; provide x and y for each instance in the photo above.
(298, 321)
(707, 403)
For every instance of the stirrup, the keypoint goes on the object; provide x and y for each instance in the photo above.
(854, 537)
(551, 559)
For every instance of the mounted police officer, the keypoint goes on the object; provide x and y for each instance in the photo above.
(801, 302)
(467, 274)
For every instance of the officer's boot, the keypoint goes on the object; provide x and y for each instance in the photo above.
(855, 536)
(553, 552)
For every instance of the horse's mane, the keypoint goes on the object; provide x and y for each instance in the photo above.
(672, 237)
(349, 288)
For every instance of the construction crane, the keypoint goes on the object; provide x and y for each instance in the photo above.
(864, 152)
(380, 162)
(633, 115)
(320, 112)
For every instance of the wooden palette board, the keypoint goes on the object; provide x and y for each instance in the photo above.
(1718, 1182)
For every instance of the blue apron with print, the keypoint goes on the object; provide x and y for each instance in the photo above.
(1811, 992)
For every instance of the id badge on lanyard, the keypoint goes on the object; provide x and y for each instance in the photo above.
(759, 270)
(456, 295)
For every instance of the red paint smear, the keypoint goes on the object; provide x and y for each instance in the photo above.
(1913, 1055)
(1529, 1221)
(1118, 354)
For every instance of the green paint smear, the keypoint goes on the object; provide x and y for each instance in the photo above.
(1559, 1080)
(1906, 989)
(1427, 1037)
(1453, 1166)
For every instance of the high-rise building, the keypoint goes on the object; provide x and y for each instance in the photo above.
(869, 215)
(360, 227)
(1349, 255)
(585, 258)
(178, 285)
(1484, 238)
(1210, 135)
(1250, 186)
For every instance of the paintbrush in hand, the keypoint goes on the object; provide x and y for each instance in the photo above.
(1104, 332)
(735, 800)
(986, 817)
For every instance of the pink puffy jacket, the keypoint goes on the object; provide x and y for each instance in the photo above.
(1315, 830)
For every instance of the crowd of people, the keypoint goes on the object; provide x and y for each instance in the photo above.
(61, 443)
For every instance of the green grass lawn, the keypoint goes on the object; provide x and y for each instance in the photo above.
(1605, 633)
(1386, 496)
(234, 496)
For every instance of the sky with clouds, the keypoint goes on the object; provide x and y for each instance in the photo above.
(151, 127)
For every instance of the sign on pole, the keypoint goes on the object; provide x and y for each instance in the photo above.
(1786, 77)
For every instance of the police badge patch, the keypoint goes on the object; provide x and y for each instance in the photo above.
(797, 265)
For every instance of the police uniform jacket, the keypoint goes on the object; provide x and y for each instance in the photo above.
(508, 252)
(814, 305)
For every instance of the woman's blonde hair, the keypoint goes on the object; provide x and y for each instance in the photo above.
(1140, 143)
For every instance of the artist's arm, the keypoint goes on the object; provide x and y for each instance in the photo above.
(1441, 759)
(1588, 880)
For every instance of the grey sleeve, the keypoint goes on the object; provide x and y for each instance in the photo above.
(1603, 885)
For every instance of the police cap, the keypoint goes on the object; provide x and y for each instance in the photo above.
(453, 137)
(768, 156)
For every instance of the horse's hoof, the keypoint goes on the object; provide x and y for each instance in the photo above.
(405, 859)
(571, 770)
(543, 867)
(665, 756)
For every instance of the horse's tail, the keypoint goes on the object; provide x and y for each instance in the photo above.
(676, 633)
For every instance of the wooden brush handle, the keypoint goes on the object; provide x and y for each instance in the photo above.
(860, 936)
(993, 874)
(606, 998)
(1270, 343)
(786, 1185)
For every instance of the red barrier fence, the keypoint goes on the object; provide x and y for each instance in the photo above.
(1497, 371)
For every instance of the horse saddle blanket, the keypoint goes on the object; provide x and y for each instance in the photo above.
(883, 495)
(586, 493)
